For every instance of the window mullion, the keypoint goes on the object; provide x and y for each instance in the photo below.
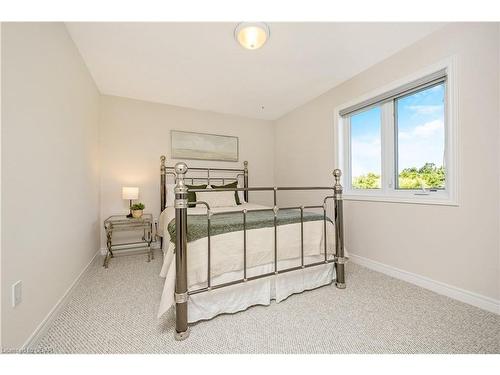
(388, 148)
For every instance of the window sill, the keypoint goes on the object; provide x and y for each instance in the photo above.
(425, 200)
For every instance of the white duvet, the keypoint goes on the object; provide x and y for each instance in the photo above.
(227, 259)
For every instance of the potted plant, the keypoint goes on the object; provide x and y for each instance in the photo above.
(137, 210)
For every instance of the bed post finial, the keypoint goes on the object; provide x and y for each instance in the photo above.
(245, 180)
(181, 292)
(339, 231)
(336, 174)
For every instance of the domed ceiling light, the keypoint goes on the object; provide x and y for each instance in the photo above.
(252, 35)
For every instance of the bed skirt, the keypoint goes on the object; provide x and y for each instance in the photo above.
(239, 297)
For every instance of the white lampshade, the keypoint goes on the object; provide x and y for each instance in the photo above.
(130, 193)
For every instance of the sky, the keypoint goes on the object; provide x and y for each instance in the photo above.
(420, 133)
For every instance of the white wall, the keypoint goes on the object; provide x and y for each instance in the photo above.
(134, 134)
(50, 171)
(454, 245)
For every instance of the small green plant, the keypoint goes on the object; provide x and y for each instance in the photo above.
(137, 206)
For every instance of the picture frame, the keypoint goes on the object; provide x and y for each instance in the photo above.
(203, 146)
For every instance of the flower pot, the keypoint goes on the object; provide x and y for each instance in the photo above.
(136, 214)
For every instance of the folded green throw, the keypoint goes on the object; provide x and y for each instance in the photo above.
(197, 225)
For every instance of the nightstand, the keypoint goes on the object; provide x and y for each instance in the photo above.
(121, 223)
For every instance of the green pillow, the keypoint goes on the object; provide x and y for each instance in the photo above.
(192, 194)
(229, 186)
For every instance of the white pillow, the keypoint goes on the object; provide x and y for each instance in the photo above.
(217, 198)
(241, 194)
(170, 195)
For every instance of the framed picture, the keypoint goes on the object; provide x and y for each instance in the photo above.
(201, 146)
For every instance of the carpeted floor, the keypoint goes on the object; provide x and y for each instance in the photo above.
(114, 311)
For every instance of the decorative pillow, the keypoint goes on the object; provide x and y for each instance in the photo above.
(218, 198)
(229, 186)
(241, 195)
(170, 195)
(192, 195)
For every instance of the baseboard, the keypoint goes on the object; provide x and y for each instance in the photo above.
(471, 298)
(42, 328)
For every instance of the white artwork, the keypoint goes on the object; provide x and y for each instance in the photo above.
(186, 145)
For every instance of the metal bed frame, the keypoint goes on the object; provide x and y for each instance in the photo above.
(180, 170)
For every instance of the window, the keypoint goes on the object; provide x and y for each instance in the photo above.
(419, 122)
(366, 151)
(397, 145)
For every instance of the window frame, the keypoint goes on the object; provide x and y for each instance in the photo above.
(388, 191)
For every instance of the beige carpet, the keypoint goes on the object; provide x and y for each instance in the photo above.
(114, 311)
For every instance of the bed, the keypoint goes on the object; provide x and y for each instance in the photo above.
(223, 254)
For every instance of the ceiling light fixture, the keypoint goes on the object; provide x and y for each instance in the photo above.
(252, 35)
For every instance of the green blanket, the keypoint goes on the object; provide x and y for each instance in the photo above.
(233, 222)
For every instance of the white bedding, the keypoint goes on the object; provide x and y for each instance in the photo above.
(227, 264)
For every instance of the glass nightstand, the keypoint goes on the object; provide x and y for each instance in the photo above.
(121, 223)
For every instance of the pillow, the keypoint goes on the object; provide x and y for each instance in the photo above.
(170, 202)
(229, 186)
(241, 195)
(192, 195)
(218, 198)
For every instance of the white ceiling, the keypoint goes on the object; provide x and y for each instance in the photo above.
(200, 65)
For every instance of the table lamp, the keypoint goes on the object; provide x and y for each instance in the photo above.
(130, 193)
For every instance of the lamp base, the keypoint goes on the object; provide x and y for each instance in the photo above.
(130, 210)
